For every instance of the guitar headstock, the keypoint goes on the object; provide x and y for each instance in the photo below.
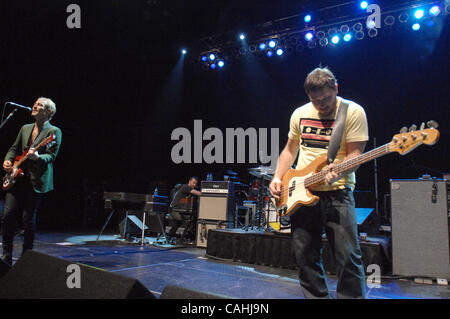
(406, 141)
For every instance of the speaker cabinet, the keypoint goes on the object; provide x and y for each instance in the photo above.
(216, 208)
(420, 228)
(39, 276)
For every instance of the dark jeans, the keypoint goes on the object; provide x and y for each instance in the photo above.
(21, 199)
(335, 212)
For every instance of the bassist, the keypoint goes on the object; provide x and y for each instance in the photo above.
(311, 126)
(24, 197)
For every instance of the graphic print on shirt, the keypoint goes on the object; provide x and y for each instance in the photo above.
(316, 133)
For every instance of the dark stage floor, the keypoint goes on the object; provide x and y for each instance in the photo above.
(157, 267)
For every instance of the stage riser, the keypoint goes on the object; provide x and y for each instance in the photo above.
(275, 250)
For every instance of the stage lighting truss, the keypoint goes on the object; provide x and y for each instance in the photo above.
(212, 60)
(281, 38)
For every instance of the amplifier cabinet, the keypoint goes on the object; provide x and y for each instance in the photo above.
(420, 228)
(217, 201)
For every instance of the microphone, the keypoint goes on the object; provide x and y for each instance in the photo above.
(20, 106)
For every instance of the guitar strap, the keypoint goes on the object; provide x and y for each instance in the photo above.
(338, 130)
(41, 136)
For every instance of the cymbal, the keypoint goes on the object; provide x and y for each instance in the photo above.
(266, 172)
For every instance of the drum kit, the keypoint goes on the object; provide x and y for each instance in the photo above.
(256, 198)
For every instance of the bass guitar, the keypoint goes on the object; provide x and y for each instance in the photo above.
(295, 184)
(16, 172)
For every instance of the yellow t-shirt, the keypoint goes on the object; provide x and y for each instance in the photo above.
(313, 133)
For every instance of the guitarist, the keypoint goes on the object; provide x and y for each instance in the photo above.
(310, 129)
(24, 197)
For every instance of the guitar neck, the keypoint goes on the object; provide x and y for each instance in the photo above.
(349, 164)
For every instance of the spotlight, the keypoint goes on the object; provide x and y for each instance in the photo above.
(389, 20)
(403, 17)
(220, 64)
(323, 42)
(183, 51)
(416, 26)
(364, 5)
(280, 52)
(359, 35)
(212, 56)
(435, 10)
(372, 32)
(269, 53)
(272, 43)
(347, 37)
(242, 36)
(212, 66)
(307, 18)
(418, 14)
(357, 26)
(204, 58)
(344, 28)
(370, 24)
(262, 46)
(335, 39)
(309, 36)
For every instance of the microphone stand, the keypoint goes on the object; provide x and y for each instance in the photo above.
(8, 117)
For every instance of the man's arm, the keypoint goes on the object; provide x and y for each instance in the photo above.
(353, 149)
(285, 161)
(195, 192)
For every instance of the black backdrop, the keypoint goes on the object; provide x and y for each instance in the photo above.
(120, 94)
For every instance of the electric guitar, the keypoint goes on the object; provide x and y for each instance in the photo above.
(10, 178)
(295, 184)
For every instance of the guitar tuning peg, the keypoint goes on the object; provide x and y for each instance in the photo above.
(432, 124)
(422, 126)
(413, 128)
(404, 129)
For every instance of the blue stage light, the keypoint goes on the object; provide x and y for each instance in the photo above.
(307, 18)
(212, 56)
(280, 52)
(435, 10)
(204, 58)
(272, 43)
(262, 46)
(309, 36)
(221, 64)
(269, 53)
(364, 5)
(212, 66)
(418, 14)
(335, 39)
(347, 37)
(416, 26)
(183, 51)
(242, 36)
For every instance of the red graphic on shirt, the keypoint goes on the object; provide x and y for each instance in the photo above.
(316, 133)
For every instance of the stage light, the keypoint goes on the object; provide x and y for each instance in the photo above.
(364, 5)
(183, 51)
(416, 26)
(389, 20)
(212, 66)
(242, 36)
(307, 18)
(335, 39)
(212, 56)
(359, 35)
(280, 52)
(204, 58)
(269, 53)
(347, 37)
(434, 10)
(309, 36)
(418, 14)
(272, 43)
(262, 46)
(370, 24)
(221, 64)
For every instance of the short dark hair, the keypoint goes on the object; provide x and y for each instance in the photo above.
(318, 79)
(193, 177)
